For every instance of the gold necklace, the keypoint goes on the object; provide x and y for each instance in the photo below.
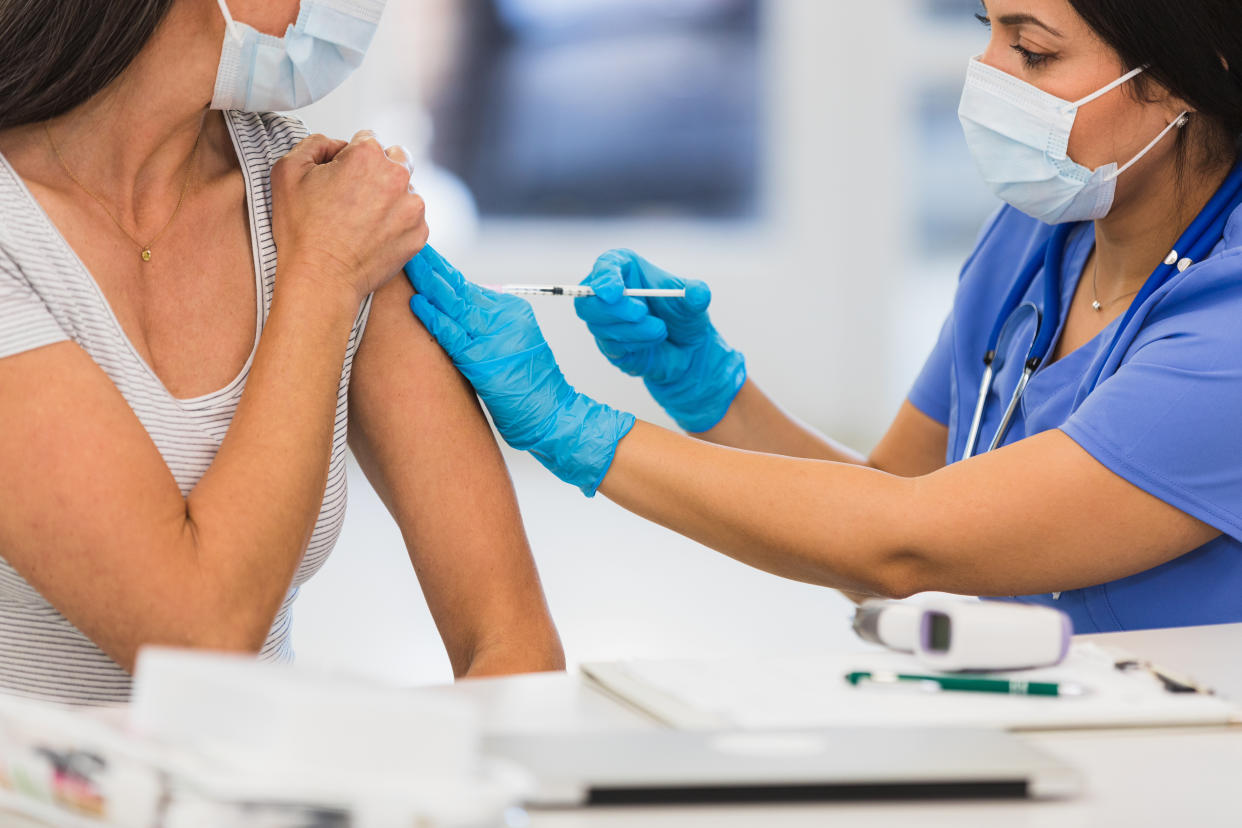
(1095, 293)
(145, 249)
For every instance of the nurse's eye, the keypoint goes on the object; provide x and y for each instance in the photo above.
(1032, 59)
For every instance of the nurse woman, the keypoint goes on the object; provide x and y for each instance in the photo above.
(1074, 437)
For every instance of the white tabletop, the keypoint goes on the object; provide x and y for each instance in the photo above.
(1133, 777)
(1188, 776)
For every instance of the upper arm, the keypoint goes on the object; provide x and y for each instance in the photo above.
(1040, 515)
(917, 441)
(92, 517)
(420, 435)
(913, 446)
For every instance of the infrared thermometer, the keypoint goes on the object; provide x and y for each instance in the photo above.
(953, 635)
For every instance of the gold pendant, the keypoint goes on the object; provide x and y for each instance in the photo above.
(146, 255)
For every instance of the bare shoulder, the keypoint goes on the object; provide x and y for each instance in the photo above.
(399, 364)
(391, 325)
(415, 425)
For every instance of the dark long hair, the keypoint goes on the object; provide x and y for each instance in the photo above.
(57, 54)
(1193, 48)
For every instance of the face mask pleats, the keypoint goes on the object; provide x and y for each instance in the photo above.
(263, 73)
(1019, 137)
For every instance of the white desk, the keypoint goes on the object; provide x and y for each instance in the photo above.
(1176, 777)
(1133, 777)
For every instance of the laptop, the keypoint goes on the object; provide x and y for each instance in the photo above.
(666, 767)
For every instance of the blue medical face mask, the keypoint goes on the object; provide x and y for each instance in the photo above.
(1019, 137)
(262, 73)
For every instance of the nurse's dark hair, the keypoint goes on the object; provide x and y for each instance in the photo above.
(1192, 48)
(57, 54)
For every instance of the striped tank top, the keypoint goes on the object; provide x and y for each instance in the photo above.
(47, 296)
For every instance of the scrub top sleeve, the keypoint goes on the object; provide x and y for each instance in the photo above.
(26, 322)
(1167, 420)
(931, 390)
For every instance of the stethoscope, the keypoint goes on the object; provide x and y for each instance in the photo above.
(1197, 243)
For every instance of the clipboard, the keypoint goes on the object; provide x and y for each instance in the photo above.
(811, 692)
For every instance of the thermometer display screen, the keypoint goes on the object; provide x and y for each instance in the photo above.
(941, 628)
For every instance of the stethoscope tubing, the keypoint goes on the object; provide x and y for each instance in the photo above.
(1195, 244)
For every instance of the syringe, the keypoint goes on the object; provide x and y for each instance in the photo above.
(574, 291)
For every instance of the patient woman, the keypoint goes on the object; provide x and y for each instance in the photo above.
(175, 396)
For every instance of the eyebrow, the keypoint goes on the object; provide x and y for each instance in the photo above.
(1025, 19)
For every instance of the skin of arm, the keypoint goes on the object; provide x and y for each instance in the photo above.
(420, 436)
(914, 445)
(873, 532)
(94, 520)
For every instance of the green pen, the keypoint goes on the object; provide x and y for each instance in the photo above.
(971, 684)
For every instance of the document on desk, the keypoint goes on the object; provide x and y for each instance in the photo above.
(812, 692)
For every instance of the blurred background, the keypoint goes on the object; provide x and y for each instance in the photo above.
(803, 157)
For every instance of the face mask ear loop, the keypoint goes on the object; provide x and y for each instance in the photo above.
(229, 23)
(1179, 121)
(1127, 77)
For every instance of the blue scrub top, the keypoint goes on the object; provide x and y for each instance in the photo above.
(1166, 415)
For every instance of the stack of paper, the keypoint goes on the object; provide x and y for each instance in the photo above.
(812, 692)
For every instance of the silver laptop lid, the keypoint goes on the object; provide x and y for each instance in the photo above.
(671, 766)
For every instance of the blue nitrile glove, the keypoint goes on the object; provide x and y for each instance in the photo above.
(688, 368)
(496, 343)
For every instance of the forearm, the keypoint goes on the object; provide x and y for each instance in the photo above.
(829, 523)
(755, 423)
(250, 517)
